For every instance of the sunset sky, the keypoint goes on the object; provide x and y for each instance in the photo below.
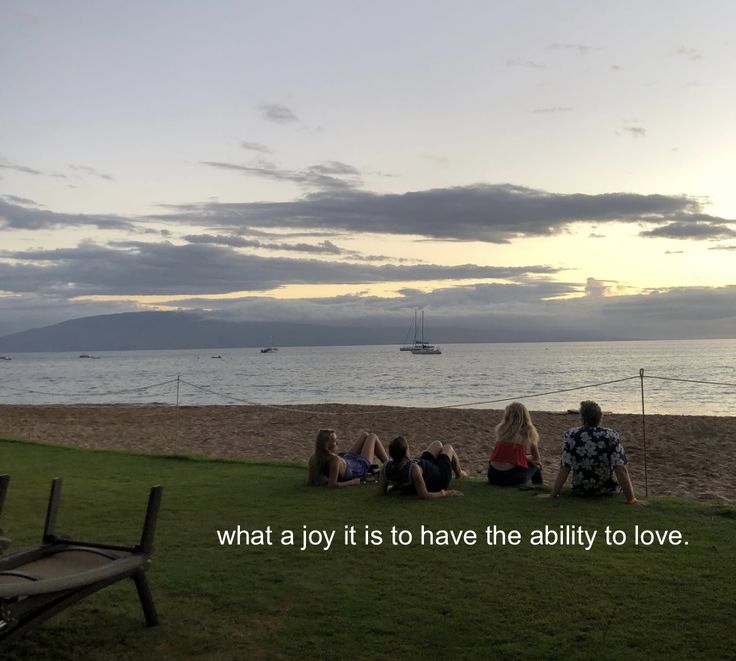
(562, 164)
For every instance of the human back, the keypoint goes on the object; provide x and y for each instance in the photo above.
(593, 452)
(595, 457)
(515, 459)
(516, 427)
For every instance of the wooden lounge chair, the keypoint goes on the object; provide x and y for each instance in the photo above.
(4, 480)
(40, 581)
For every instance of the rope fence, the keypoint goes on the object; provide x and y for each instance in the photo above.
(127, 391)
(179, 382)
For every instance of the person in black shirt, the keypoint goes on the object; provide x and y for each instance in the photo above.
(427, 477)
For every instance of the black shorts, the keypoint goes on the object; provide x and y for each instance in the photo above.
(437, 472)
(514, 477)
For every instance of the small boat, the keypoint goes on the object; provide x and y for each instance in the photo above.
(5, 358)
(424, 348)
(217, 356)
(87, 355)
(269, 349)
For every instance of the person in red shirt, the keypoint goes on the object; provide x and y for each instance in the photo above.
(515, 459)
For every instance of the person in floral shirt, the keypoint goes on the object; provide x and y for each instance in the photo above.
(594, 454)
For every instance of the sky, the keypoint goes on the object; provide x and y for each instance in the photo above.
(558, 165)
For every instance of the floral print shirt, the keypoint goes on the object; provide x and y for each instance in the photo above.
(592, 453)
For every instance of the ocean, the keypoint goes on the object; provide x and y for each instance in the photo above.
(474, 375)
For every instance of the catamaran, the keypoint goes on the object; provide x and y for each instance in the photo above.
(415, 344)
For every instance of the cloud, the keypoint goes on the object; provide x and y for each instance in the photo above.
(732, 247)
(138, 268)
(690, 53)
(553, 109)
(255, 146)
(273, 112)
(77, 169)
(532, 309)
(310, 234)
(690, 230)
(322, 248)
(580, 49)
(495, 213)
(437, 159)
(7, 165)
(474, 304)
(91, 171)
(327, 175)
(528, 64)
(14, 216)
(14, 199)
(596, 288)
(636, 131)
(510, 312)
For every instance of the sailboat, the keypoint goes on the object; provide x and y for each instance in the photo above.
(423, 348)
(415, 343)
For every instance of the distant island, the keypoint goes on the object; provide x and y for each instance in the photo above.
(189, 330)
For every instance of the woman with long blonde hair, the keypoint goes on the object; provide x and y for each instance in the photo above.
(337, 470)
(515, 460)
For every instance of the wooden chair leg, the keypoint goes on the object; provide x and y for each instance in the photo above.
(144, 594)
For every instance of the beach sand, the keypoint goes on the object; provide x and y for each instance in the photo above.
(687, 456)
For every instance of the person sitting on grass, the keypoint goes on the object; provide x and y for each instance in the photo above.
(515, 459)
(427, 477)
(593, 454)
(347, 469)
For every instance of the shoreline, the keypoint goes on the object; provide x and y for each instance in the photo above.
(685, 453)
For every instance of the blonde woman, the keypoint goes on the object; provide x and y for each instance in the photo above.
(346, 469)
(515, 459)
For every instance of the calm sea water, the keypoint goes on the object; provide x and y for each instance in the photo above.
(463, 374)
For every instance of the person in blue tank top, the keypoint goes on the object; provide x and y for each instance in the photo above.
(337, 470)
(427, 477)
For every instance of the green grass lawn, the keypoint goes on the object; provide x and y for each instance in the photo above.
(380, 602)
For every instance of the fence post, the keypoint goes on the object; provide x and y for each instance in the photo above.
(644, 433)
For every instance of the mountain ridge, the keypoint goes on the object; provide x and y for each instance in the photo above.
(158, 330)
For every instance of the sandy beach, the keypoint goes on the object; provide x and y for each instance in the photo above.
(687, 456)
